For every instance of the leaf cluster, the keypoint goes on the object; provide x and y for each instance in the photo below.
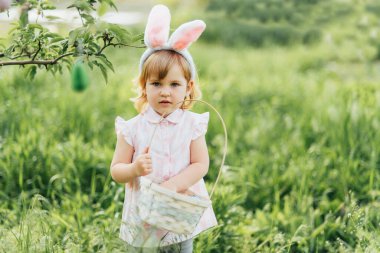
(34, 46)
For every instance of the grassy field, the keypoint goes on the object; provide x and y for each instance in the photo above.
(302, 170)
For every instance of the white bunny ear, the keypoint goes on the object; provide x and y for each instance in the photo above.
(157, 27)
(186, 34)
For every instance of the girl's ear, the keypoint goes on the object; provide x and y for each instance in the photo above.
(157, 27)
(186, 34)
(189, 87)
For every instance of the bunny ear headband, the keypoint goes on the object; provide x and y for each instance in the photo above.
(157, 34)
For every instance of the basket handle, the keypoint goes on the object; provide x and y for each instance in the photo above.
(225, 137)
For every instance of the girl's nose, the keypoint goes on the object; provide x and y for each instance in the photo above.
(165, 92)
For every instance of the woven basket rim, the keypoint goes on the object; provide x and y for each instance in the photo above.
(200, 201)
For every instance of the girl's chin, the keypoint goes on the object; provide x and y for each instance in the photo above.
(164, 110)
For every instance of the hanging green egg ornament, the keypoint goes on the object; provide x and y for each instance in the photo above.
(79, 77)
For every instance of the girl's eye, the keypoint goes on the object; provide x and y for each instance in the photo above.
(155, 84)
(175, 84)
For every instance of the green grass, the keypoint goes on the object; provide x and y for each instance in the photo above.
(303, 167)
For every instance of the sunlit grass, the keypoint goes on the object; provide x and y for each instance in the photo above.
(303, 168)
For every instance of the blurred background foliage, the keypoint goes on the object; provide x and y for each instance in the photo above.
(297, 83)
(263, 22)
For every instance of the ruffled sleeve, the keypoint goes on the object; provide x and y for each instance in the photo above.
(200, 125)
(124, 127)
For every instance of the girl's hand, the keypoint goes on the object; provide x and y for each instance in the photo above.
(143, 164)
(169, 185)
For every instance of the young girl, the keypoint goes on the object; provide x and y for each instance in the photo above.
(177, 158)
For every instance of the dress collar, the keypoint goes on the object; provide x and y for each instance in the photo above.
(153, 117)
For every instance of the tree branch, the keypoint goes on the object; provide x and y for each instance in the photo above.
(104, 44)
(60, 57)
(40, 62)
(54, 61)
(80, 16)
(125, 45)
(38, 50)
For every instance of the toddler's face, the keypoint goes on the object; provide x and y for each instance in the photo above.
(163, 95)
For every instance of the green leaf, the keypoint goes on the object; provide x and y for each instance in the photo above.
(82, 5)
(121, 34)
(89, 19)
(60, 70)
(23, 19)
(52, 35)
(103, 70)
(35, 26)
(51, 18)
(31, 71)
(91, 65)
(68, 61)
(65, 46)
(113, 5)
(104, 59)
(74, 34)
(102, 9)
(93, 46)
(138, 37)
(48, 7)
(56, 39)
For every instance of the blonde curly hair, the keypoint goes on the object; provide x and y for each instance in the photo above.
(158, 64)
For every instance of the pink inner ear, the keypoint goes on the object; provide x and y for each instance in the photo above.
(157, 36)
(179, 45)
(188, 37)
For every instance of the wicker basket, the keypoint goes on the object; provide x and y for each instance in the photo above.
(175, 212)
(169, 210)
